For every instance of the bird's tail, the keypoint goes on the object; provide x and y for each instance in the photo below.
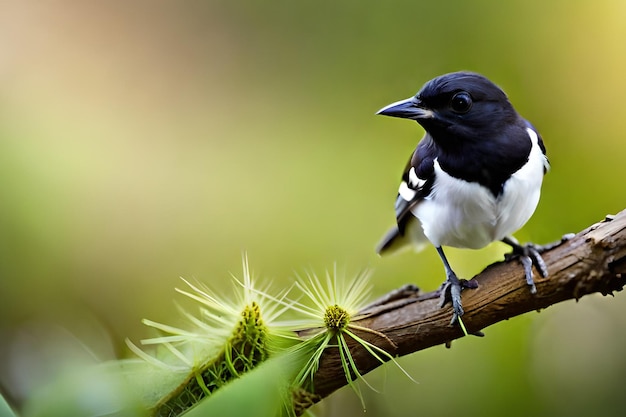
(390, 241)
(396, 242)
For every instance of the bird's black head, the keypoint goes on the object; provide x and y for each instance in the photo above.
(457, 107)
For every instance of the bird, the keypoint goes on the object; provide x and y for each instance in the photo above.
(474, 178)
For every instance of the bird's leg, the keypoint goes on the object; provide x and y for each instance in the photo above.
(529, 255)
(451, 289)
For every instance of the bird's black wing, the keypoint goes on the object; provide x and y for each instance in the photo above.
(417, 181)
(416, 184)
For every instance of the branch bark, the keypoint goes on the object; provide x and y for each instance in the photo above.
(406, 321)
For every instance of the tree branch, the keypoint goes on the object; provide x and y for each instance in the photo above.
(405, 321)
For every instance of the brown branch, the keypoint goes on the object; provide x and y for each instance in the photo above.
(405, 321)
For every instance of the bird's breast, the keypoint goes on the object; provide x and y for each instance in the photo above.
(457, 213)
(466, 214)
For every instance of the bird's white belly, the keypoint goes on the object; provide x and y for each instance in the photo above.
(466, 215)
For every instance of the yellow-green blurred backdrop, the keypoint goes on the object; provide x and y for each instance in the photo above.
(142, 141)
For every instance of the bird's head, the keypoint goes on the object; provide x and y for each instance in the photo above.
(460, 106)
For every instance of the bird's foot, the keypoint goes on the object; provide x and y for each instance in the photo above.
(450, 291)
(529, 255)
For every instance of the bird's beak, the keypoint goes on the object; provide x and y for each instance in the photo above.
(411, 108)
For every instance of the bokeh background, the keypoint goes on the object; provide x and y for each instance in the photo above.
(147, 140)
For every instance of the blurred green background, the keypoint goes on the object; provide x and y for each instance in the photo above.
(142, 141)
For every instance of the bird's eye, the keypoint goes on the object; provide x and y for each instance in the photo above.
(461, 102)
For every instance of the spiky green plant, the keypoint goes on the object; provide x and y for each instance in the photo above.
(235, 357)
(230, 338)
(331, 308)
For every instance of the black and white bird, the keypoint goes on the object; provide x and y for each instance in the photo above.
(474, 178)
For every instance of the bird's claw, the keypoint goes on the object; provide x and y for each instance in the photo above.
(529, 255)
(451, 291)
(527, 263)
